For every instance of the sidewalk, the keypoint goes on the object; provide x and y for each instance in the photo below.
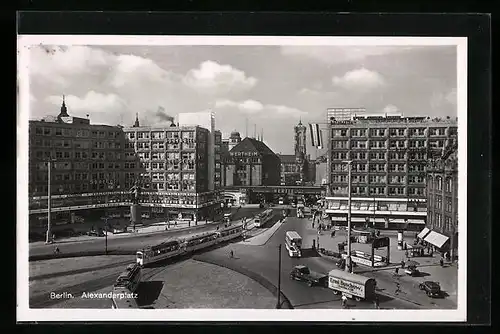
(447, 276)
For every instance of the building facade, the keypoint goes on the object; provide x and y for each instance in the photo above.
(95, 166)
(251, 163)
(442, 199)
(388, 157)
(295, 169)
(388, 153)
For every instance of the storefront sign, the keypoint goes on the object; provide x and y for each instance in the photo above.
(361, 261)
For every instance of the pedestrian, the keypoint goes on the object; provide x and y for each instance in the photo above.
(376, 302)
(402, 264)
(231, 254)
(56, 250)
(441, 262)
(398, 288)
(406, 253)
(333, 234)
(378, 233)
(344, 301)
(396, 271)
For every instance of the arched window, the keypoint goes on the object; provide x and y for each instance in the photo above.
(439, 183)
(448, 185)
(430, 182)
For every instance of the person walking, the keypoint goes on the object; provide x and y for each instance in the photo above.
(402, 264)
(398, 288)
(344, 301)
(231, 254)
(441, 262)
(376, 302)
(56, 250)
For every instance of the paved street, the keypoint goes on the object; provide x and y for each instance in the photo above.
(262, 258)
(131, 242)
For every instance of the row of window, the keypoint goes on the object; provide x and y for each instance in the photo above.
(436, 220)
(363, 190)
(437, 203)
(162, 146)
(67, 132)
(161, 135)
(437, 184)
(77, 144)
(394, 132)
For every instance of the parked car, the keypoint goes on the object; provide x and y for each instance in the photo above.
(412, 271)
(432, 289)
(303, 274)
(95, 233)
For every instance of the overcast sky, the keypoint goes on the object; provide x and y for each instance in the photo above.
(271, 86)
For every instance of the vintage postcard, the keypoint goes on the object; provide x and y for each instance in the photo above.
(241, 178)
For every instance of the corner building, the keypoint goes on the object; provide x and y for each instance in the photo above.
(389, 156)
(172, 166)
(442, 199)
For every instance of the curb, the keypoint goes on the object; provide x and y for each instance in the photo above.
(79, 254)
(256, 277)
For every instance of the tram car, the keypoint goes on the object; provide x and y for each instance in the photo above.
(229, 233)
(162, 251)
(199, 241)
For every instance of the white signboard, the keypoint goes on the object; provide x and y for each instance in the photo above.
(342, 285)
(361, 260)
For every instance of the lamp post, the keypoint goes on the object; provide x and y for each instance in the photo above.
(48, 239)
(106, 235)
(278, 305)
(348, 259)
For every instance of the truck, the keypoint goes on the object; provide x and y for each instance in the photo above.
(304, 274)
(351, 285)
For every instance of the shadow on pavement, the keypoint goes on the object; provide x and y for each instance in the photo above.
(422, 274)
(148, 292)
(309, 252)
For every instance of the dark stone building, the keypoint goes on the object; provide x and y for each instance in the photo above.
(442, 199)
(251, 163)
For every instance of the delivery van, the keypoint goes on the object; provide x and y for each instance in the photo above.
(353, 286)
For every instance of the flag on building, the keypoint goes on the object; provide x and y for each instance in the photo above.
(316, 138)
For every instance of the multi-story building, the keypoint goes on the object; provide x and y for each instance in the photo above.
(87, 166)
(251, 163)
(95, 166)
(442, 199)
(388, 154)
(290, 170)
(388, 157)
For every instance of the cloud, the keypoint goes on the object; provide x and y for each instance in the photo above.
(130, 69)
(61, 65)
(340, 54)
(256, 107)
(390, 109)
(211, 77)
(91, 102)
(451, 97)
(359, 78)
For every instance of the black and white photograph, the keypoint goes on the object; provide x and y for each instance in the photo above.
(242, 177)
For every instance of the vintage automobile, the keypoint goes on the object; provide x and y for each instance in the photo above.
(303, 274)
(412, 271)
(432, 289)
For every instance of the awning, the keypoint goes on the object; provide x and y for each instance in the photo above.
(436, 239)
(423, 233)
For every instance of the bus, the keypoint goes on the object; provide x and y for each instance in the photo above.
(129, 279)
(263, 218)
(158, 252)
(229, 233)
(122, 299)
(293, 243)
(199, 241)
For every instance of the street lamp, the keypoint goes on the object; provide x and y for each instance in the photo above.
(48, 239)
(348, 259)
(278, 305)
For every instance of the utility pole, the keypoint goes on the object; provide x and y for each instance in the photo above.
(348, 265)
(278, 305)
(48, 239)
(106, 235)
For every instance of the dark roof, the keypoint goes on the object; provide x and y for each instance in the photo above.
(287, 158)
(252, 145)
